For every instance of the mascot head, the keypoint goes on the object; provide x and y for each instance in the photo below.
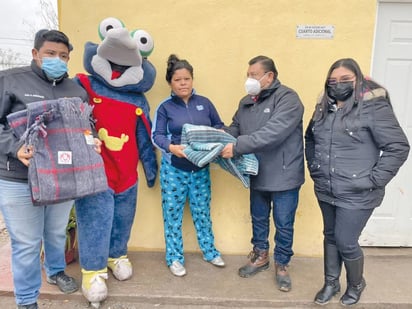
(120, 61)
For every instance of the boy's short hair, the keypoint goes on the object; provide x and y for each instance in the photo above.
(57, 36)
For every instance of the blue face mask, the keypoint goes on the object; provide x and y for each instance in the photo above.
(54, 67)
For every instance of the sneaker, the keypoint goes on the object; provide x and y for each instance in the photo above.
(258, 261)
(94, 286)
(217, 261)
(282, 278)
(65, 283)
(177, 269)
(121, 268)
(31, 306)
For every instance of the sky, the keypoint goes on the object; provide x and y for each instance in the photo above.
(19, 20)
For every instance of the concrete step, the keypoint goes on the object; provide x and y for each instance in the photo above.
(388, 273)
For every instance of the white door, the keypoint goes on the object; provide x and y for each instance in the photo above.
(391, 223)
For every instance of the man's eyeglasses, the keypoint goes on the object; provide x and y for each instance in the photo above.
(342, 79)
(255, 75)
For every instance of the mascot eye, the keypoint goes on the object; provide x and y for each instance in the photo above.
(144, 42)
(107, 24)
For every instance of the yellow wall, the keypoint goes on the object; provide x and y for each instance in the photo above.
(218, 38)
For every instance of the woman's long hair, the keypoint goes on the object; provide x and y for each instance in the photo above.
(362, 85)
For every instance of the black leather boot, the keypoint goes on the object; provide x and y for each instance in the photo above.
(332, 263)
(356, 282)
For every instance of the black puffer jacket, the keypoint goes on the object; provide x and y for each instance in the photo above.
(271, 128)
(19, 87)
(352, 158)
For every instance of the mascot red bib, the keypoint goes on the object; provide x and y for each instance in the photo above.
(118, 76)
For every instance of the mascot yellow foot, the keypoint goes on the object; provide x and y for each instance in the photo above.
(94, 286)
(121, 267)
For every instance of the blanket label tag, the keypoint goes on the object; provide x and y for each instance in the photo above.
(89, 137)
(64, 157)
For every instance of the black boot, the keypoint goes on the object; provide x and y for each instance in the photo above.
(332, 263)
(356, 282)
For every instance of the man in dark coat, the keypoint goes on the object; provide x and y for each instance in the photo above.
(268, 123)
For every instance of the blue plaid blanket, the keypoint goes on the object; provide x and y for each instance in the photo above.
(65, 165)
(204, 144)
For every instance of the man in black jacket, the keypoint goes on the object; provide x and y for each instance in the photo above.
(31, 227)
(268, 123)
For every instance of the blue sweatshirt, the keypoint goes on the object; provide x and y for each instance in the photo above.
(172, 114)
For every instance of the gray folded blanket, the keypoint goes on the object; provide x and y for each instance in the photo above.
(65, 165)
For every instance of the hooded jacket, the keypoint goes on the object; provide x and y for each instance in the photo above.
(18, 88)
(352, 158)
(270, 126)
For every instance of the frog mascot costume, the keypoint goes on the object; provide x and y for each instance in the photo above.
(119, 74)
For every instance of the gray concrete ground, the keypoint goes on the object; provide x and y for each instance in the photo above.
(388, 276)
(388, 272)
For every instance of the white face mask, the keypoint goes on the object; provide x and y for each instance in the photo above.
(252, 85)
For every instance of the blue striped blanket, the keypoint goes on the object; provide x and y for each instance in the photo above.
(204, 145)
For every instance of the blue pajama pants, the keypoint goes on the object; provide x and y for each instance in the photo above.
(178, 186)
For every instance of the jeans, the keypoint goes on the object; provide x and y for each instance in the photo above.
(177, 186)
(29, 226)
(284, 204)
(342, 228)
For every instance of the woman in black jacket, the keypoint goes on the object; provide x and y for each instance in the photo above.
(354, 146)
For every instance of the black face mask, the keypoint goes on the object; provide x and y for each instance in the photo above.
(340, 91)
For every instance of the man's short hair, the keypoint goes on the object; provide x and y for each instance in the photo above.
(45, 35)
(267, 63)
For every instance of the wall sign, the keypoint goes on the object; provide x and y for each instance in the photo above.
(315, 31)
